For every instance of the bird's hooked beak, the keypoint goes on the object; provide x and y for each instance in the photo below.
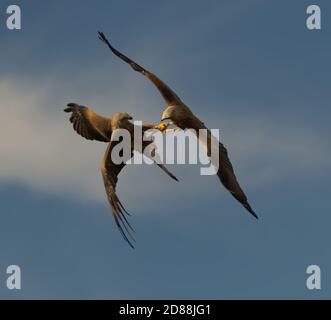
(165, 118)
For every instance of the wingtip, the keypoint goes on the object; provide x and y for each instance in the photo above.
(101, 36)
(131, 245)
(174, 177)
(70, 107)
(251, 211)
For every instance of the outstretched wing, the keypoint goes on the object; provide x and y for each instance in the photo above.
(228, 178)
(155, 157)
(89, 124)
(149, 145)
(225, 171)
(110, 172)
(169, 95)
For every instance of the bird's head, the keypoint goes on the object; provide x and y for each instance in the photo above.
(121, 119)
(169, 114)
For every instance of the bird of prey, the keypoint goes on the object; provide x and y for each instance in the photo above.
(183, 118)
(95, 127)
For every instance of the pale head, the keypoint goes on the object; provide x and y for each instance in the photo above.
(169, 113)
(120, 119)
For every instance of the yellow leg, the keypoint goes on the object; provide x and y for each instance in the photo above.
(163, 127)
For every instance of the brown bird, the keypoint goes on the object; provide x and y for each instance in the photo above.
(182, 117)
(94, 127)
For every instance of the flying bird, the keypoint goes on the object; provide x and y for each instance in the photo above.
(182, 117)
(92, 126)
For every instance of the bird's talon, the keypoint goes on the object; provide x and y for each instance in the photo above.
(162, 127)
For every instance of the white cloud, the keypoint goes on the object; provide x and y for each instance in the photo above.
(40, 150)
(37, 146)
(271, 150)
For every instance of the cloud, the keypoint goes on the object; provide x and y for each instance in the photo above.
(40, 150)
(36, 144)
(272, 150)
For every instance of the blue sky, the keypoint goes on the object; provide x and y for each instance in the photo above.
(250, 68)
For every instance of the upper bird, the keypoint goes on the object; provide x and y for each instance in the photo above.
(182, 117)
(95, 127)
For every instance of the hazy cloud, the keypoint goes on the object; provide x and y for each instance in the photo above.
(40, 150)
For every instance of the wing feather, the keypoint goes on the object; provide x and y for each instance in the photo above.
(225, 172)
(110, 172)
(88, 124)
(167, 93)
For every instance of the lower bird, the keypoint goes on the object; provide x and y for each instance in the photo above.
(95, 127)
(181, 116)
